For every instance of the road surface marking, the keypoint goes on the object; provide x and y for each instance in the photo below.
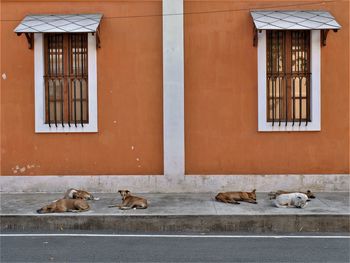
(167, 236)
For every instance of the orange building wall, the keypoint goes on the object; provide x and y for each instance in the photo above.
(129, 73)
(221, 96)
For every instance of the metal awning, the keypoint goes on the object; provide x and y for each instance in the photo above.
(77, 23)
(59, 23)
(294, 20)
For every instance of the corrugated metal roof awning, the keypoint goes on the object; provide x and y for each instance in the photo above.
(58, 23)
(294, 20)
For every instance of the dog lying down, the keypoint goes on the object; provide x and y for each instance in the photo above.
(130, 201)
(234, 197)
(273, 195)
(73, 193)
(297, 200)
(65, 205)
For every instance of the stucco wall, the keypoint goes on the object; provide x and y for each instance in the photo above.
(129, 72)
(221, 96)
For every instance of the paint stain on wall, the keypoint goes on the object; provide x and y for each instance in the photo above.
(22, 169)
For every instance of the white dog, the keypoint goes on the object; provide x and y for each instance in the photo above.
(298, 200)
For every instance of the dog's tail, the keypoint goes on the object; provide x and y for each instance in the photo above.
(113, 206)
(126, 207)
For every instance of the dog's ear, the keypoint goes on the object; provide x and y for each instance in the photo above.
(254, 191)
(127, 191)
(308, 191)
(119, 191)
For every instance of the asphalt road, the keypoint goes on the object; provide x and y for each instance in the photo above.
(172, 248)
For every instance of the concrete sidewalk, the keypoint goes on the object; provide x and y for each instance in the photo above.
(329, 212)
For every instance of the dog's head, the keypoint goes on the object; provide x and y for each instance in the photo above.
(300, 200)
(252, 195)
(310, 194)
(82, 195)
(124, 193)
(47, 209)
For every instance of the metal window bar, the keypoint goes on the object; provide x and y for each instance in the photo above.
(54, 80)
(47, 81)
(79, 77)
(293, 55)
(66, 73)
(81, 85)
(287, 75)
(62, 82)
(75, 78)
(69, 81)
(299, 76)
(278, 78)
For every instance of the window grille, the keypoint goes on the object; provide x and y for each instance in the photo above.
(66, 79)
(288, 77)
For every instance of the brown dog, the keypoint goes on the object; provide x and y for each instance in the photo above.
(73, 193)
(65, 205)
(234, 197)
(130, 201)
(273, 195)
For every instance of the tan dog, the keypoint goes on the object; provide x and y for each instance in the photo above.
(234, 197)
(308, 193)
(130, 201)
(73, 193)
(65, 205)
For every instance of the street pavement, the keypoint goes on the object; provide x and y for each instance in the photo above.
(102, 247)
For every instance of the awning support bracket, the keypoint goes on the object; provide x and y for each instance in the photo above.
(324, 34)
(30, 39)
(255, 36)
(98, 40)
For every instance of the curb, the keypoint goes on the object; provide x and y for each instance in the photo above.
(179, 223)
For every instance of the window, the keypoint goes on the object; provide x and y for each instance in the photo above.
(65, 70)
(66, 79)
(289, 67)
(65, 82)
(289, 80)
(288, 77)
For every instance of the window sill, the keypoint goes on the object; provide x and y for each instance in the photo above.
(45, 128)
(267, 127)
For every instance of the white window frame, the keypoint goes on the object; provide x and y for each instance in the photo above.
(315, 88)
(39, 83)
